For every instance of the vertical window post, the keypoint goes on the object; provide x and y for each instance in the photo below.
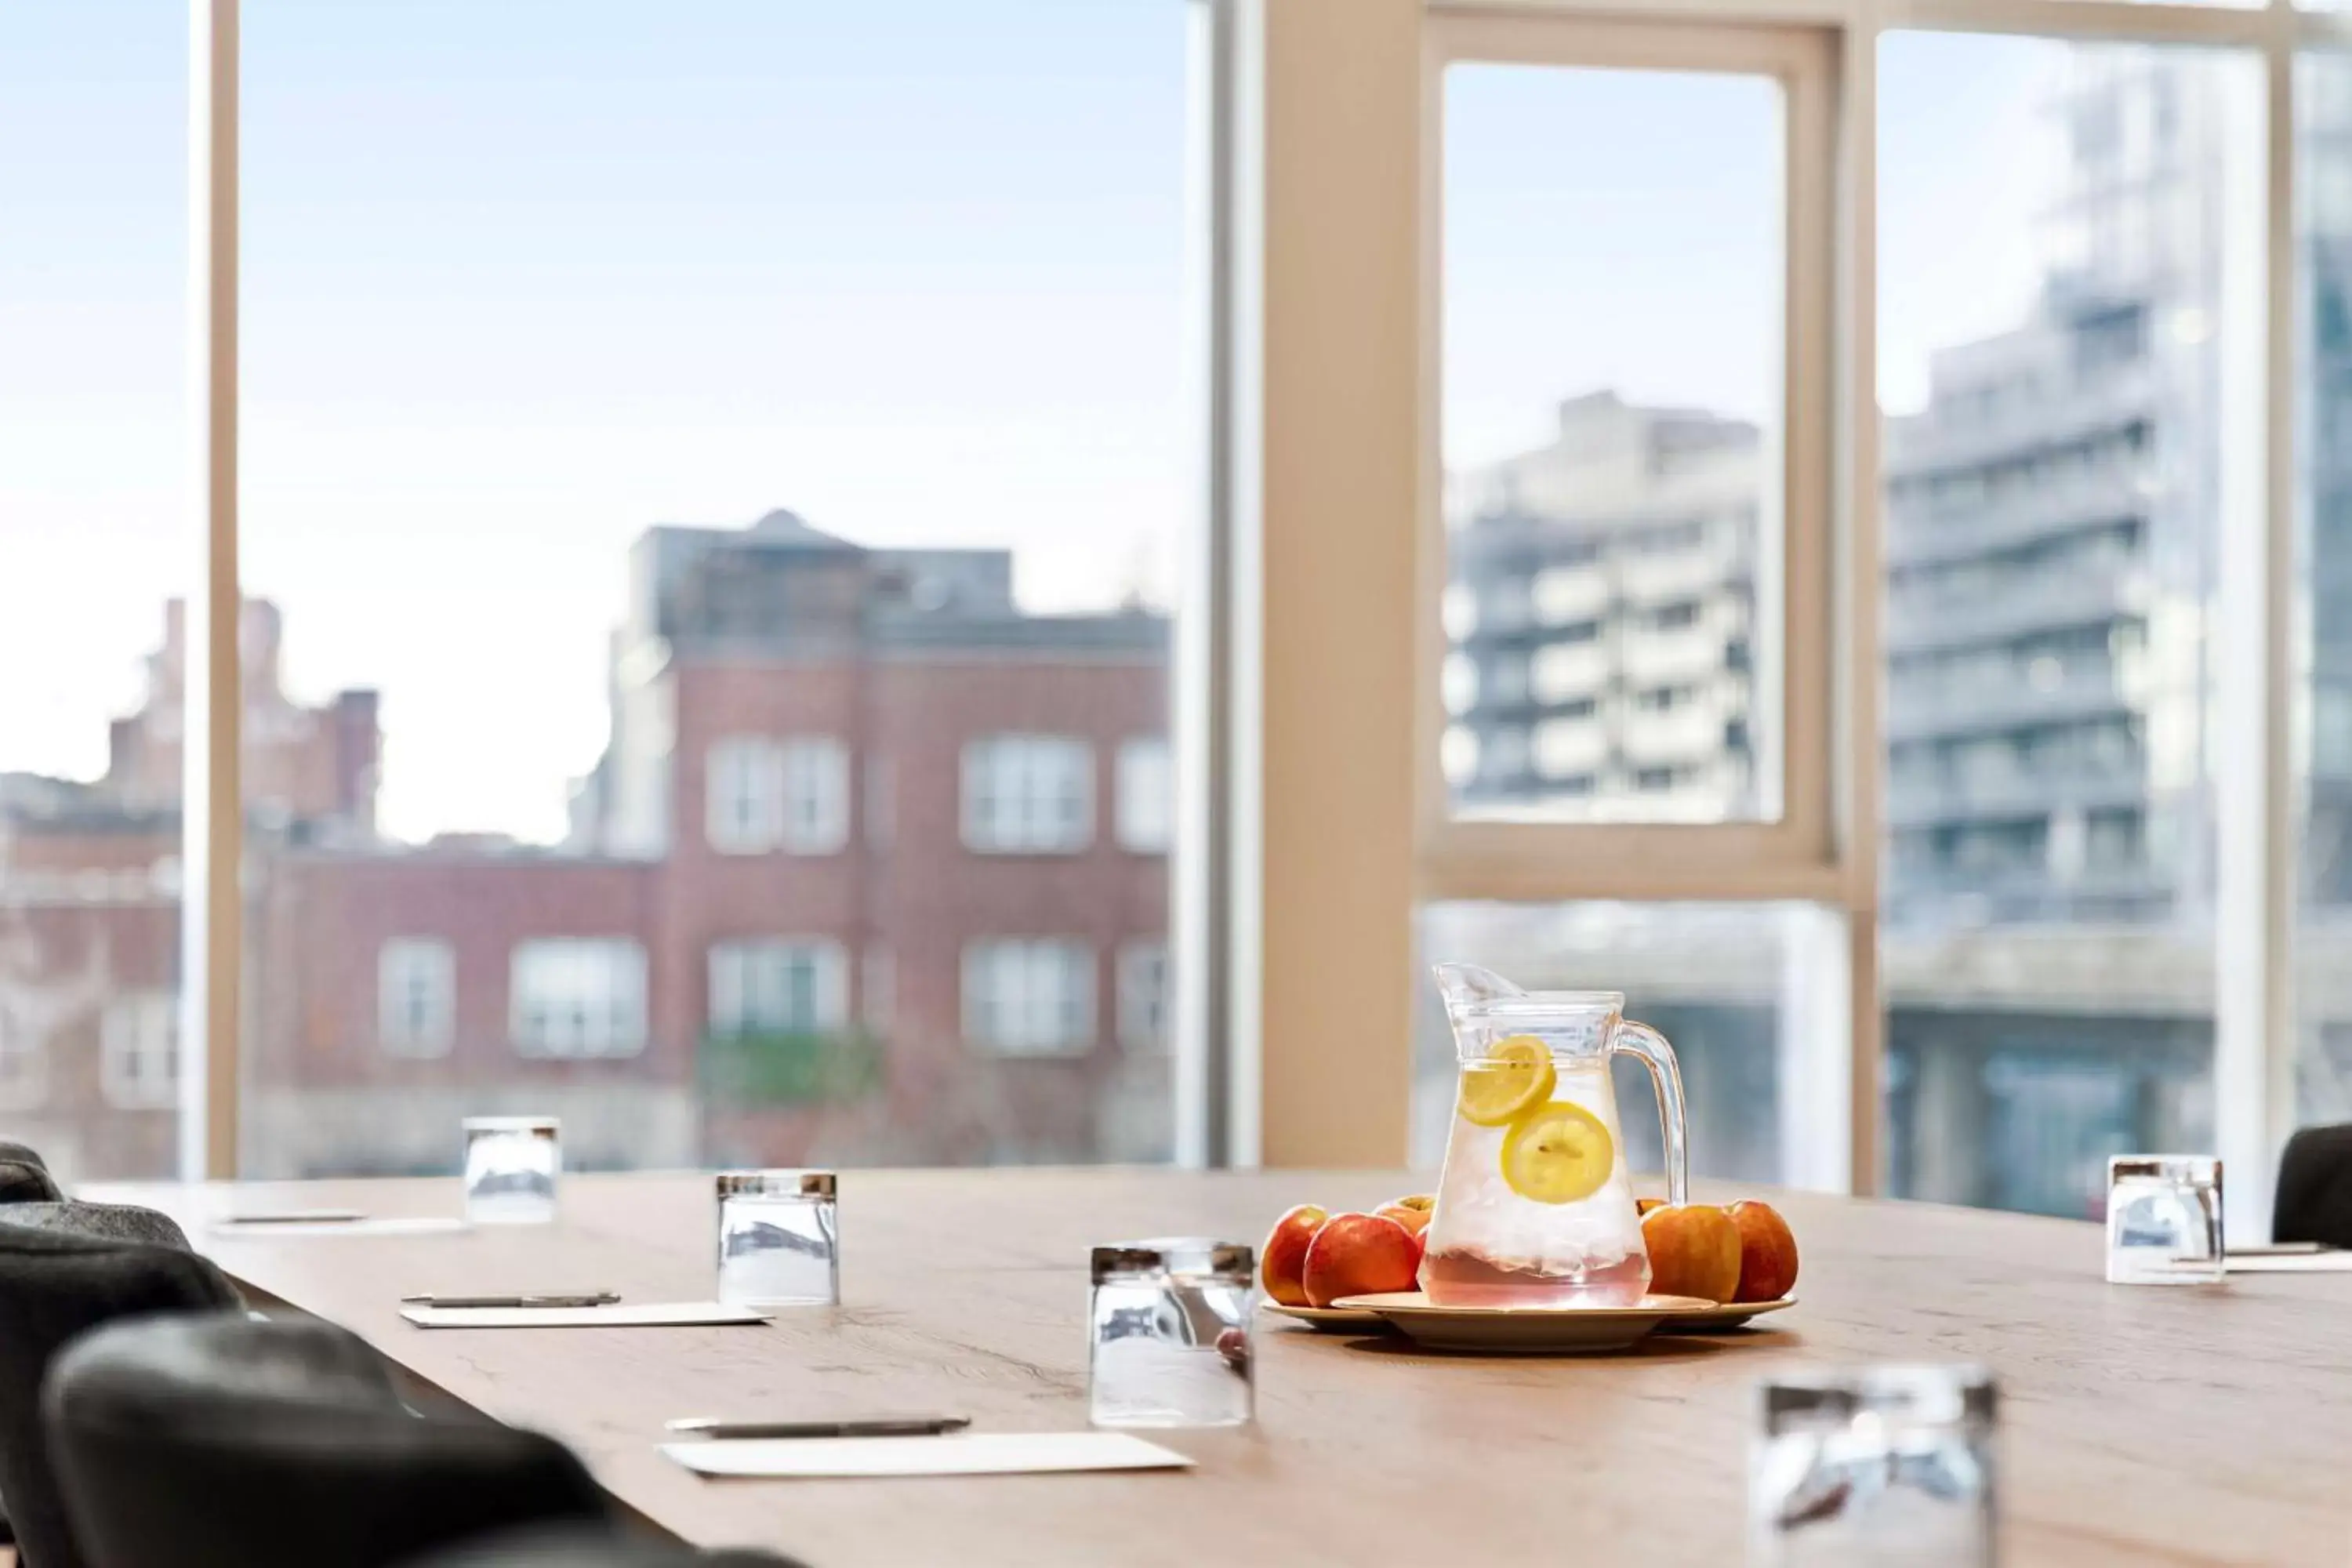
(212, 817)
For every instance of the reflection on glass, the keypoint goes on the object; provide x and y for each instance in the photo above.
(1612, 406)
(1876, 1467)
(2069, 268)
(2164, 1220)
(779, 1238)
(1172, 1334)
(511, 1164)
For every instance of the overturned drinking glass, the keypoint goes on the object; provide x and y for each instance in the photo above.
(779, 1238)
(511, 1164)
(1874, 1466)
(2164, 1219)
(1171, 1321)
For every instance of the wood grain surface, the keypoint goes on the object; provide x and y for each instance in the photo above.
(2139, 1425)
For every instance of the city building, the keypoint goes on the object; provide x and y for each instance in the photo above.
(872, 870)
(1601, 600)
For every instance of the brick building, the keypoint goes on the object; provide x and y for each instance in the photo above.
(872, 870)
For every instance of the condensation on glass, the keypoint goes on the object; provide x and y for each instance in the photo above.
(779, 1238)
(1170, 1333)
(2164, 1219)
(511, 1164)
(1875, 1466)
(1611, 418)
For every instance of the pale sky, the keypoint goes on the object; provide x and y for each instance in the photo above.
(525, 276)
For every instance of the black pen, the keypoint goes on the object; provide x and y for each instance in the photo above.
(901, 1427)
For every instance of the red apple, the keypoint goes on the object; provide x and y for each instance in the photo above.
(1283, 1260)
(1768, 1252)
(1412, 1212)
(1694, 1251)
(1360, 1255)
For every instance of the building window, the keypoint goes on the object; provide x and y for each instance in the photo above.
(1028, 795)
(139, 1051)
(579, 996)
(1143, 995)
(744, 783)
(1029, 997)
(24, 1061)
(777, 987)
(1145, 796)
(416, 996)
(816, 794)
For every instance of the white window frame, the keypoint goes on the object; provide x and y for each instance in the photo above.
(743, 794)
(1002, 808)
(400, 963)
(814, 795)
(136, 1030)
(1029, 1032)
(731, 1009)
(621, 1030)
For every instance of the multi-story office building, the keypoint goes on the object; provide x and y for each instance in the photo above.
(1602, 605)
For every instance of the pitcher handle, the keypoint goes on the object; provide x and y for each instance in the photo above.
(1666, 1081)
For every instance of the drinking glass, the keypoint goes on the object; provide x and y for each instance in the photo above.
(511, 1164)
(1172, 1334)
(1881, 1466)
(2164, 1219)
(779, 1239)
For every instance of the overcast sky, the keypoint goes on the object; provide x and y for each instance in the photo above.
(525, 276)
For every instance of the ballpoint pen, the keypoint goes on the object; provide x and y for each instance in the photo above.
(889, 1426)
(296, 1216)
(591, 1299)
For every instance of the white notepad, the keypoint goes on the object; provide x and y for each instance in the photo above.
(424, 1226)
(965, 1454)
(628, 1315)
(2331, 1262)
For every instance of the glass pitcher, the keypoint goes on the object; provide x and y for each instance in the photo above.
(1534, 1207)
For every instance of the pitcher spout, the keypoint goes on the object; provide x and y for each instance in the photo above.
(1467, 987)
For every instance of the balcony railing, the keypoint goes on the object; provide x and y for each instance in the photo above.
(1918, 621)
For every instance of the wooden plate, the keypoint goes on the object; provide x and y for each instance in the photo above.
(1728, 1315)
(1528, 1331)
(1330, 1319)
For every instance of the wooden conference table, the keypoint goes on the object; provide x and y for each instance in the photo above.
(2140, 1426)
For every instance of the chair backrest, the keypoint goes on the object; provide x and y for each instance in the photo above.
(2314, 1188)
(578, 1546)
(223, 1442)
(103, 1222)
(55, 1286)
(25, 1175)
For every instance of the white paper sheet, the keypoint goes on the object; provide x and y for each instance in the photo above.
(964, 1453)
(626, 1315)
(2286, 1263)
(436, 1224)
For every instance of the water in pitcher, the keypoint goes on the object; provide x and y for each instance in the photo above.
(1535, 1207)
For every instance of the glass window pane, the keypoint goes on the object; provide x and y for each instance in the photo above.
(674, 435)
(1732, 1019)
(93, 184)
(2324, 648)
(2070, 270)
(1611, 412)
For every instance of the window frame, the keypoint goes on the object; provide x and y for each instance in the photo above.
(983, 767)
(756, 763)
(537, 1044)
(123, 1022)
(828, 962)
(814, 771)
(981, 1006)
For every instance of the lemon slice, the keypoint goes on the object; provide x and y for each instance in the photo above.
(1557, 1155)
(1515, 1075)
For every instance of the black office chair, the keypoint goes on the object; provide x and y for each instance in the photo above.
(103, 1222)
(25, 1177)
(223, 1442)
(588, 1547)
(55, 1285)
(2314, 1188)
